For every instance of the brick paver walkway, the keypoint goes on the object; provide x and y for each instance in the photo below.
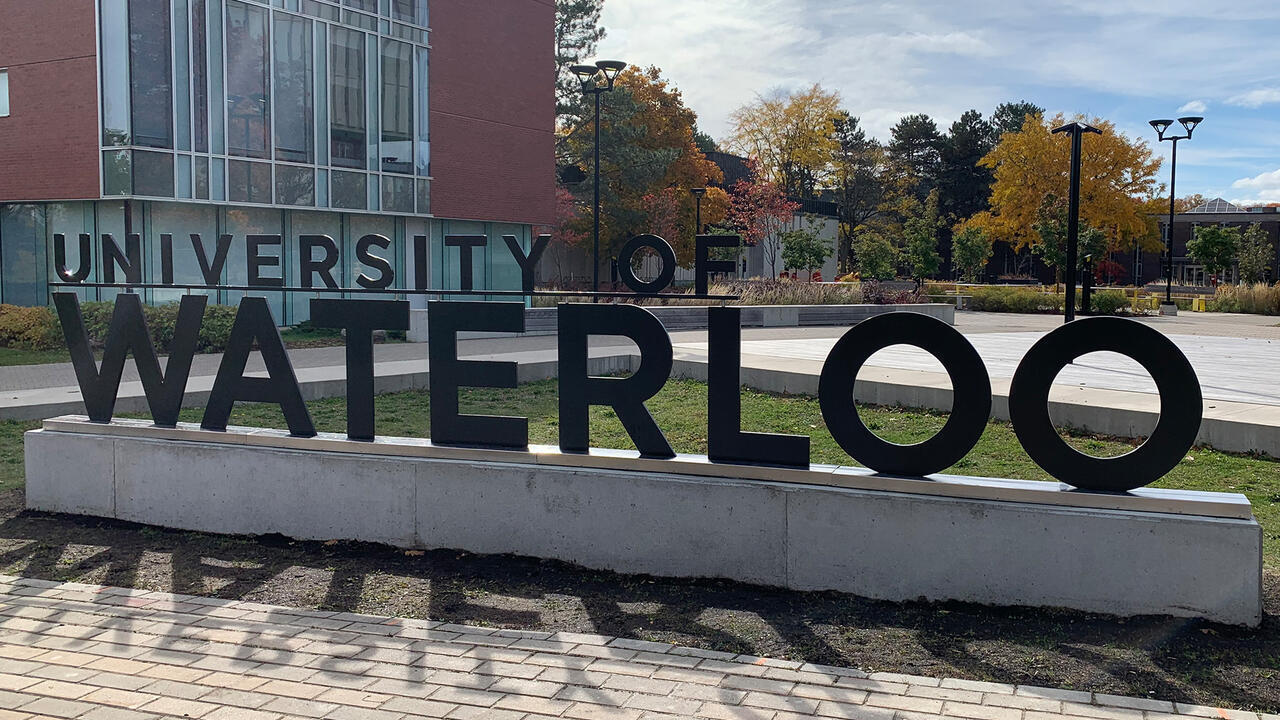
(70, 650)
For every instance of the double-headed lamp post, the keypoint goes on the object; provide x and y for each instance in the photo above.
(1161, 126)
(596, 80)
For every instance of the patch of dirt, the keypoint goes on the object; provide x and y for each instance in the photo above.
(1167, 658)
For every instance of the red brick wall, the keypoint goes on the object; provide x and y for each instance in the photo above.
(49, 142)
(492, 110)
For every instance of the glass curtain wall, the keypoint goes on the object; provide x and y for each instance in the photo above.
(22, 255)
(213, 87)
(347, 95)
(248, 83)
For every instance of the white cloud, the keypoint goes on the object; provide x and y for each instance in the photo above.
(1195, 106)
(1256, 98)
(1263, 188)
(941, 58)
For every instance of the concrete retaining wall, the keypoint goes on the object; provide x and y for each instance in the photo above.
(542, 321)
(988, 541)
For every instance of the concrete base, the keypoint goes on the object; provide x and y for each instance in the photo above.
(989, 541)
(542, 321)
(1168, 309)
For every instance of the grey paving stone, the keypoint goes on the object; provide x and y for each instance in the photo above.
(108, 654)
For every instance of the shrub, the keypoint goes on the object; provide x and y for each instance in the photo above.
(1013, 299)
(97, 319)
(161, 320)
(216, 328)
(29, 328)
(1107, 302)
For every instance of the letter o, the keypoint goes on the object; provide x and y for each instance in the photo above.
(970, 404)
(665, 254)
(1181, 404)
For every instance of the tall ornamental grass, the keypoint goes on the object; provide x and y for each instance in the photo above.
(1256, 298)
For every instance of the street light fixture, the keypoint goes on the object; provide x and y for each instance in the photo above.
(597, 79)
(1188, 123)
(1076, 130)
(697, 196)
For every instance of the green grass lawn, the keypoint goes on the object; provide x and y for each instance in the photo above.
(680, 410)
(14, 356)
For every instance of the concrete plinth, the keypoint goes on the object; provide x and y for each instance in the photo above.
(1001, 542)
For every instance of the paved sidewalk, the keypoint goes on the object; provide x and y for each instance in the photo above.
(70, 650)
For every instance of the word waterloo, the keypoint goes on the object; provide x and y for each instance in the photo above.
(254, 326)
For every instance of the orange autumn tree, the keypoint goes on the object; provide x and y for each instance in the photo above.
(649, 162)
(1118, 176)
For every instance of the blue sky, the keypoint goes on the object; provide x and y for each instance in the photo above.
(1123, 60)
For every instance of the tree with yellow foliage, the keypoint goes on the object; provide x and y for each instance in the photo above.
(793, 136)
(1118, 176)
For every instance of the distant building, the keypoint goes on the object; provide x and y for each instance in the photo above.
(820, 216)
(280, 117)
(1151, 265)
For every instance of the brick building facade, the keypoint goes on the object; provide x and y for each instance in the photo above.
(397, 118)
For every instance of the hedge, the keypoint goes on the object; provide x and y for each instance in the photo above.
(37, 328)
(1028, 300)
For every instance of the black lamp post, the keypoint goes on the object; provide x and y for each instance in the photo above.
(697, 196)
(1076, 130)
(597, 79)
(1161, 126)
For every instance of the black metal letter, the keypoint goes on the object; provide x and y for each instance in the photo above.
(255, 262)
(60, 257)
(626, 396)
(254, 322)
(129, 332)
(666, 255)
(166, 259)
(725, 440)
(970, 393)
(420, 274)
(703, 266)
(1181, 404)
(464, 243)
(111, 256)
(360, 318)
(309, 267)
(448, 373)
(527, 263)
(386, 275)
(212, 273)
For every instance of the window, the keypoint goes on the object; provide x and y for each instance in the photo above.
(346, 95)
(153, 173)
(411, 11)
(248, 85)
(115, 72)
(294, 125)
(4, 93)
(249, 182)
(200, 75)
(150, 84)
(397, 107)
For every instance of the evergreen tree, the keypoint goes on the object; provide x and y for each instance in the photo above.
(577, 32)
(1010, 116)
(913, 151)
(965, 187)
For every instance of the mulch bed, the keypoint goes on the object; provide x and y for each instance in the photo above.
(1171, 659)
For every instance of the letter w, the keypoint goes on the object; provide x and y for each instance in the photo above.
(129, 332)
